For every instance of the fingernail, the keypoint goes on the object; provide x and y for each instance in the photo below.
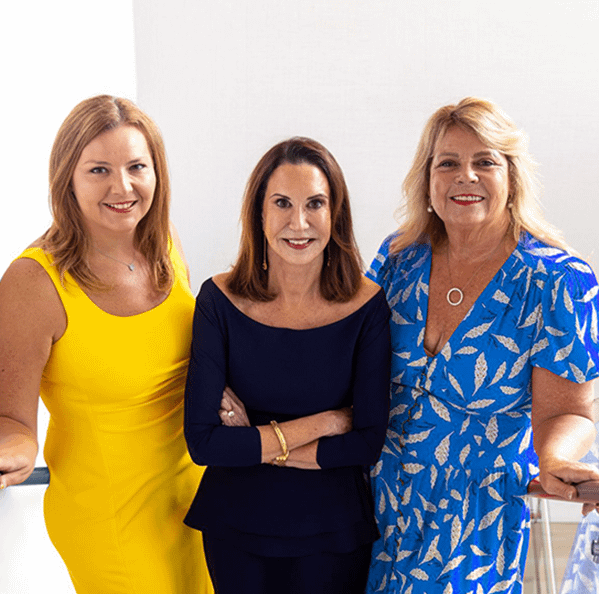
(2, 486)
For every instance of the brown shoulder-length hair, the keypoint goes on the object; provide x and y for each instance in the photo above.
(67, 239)
(342, 266)
(496, 130)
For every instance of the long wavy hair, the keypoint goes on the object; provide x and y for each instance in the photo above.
(497, 131)
(67, 239)
(342, 267)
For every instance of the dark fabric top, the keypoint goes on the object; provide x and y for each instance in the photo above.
(283, 374)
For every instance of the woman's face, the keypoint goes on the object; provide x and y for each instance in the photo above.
(296, 215)
(114, 181)
(469, 183)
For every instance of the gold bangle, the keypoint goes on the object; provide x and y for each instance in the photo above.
(280, 460)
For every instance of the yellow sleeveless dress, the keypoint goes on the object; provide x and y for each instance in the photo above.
(121, 480)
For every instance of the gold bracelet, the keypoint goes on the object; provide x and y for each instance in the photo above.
(280, 460)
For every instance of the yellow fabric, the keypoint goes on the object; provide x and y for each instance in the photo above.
(121, 478)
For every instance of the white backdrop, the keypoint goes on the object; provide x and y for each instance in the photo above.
(54, 54)
(226, 80)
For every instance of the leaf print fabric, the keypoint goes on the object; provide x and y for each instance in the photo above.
(449, 486)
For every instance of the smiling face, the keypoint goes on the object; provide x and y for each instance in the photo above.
(114, 181)
(469, 183)
(296, 215)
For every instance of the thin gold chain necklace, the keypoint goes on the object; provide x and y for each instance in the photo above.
(459, 291)
(130, 266)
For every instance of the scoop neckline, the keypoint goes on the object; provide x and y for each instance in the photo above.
(245, 316)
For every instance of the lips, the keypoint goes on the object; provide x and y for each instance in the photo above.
(298, 244)
(466, 199)
(120, 206)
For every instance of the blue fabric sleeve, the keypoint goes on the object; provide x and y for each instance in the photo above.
(370, 395)
(379, 269)
(567, 339)
(209, 442)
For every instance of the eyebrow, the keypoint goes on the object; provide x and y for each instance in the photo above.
(308, 198)
(479, 154)
(93, 161)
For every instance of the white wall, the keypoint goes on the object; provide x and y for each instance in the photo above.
(54, 54)
(226, 80)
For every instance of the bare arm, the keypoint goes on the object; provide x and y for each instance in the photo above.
(31, 320)
(563, 431)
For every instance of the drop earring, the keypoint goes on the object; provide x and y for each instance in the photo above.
(429, 208)
(264, 261)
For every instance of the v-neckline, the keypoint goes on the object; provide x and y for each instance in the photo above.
(467, 314)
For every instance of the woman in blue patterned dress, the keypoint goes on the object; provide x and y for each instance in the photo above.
(495, 339)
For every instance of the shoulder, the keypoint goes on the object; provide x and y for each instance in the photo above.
(27, 293)
(388, 266)
(554, 265)
(367, 291)
(370, 300)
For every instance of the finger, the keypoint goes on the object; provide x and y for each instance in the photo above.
(233, 396)
(554, 486)
(13, 478)
(587, 508)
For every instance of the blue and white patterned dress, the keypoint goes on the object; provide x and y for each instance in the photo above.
(449, 486)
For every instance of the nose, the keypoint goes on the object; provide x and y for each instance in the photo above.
(466, 174)
(121, 182)
(299, 219)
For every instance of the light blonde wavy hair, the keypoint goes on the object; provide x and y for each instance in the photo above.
(497, 131)
(67, 239)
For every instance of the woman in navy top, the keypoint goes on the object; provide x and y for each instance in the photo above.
(301, 338)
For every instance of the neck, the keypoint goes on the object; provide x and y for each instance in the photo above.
(119, 245)
(476, 244)
(295, 284)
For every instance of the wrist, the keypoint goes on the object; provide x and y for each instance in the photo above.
(282, 458)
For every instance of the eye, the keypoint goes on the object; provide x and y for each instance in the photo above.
(446, 164)
(138, 166)
(316, 203)
(282, 203)
(98, 169)
(486, 163)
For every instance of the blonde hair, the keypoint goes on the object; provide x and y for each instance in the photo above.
(67, 239)
(497, 131)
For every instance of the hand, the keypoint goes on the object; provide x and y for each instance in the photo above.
(559, 475)
(17, 460)
(232, 411)
(340, 421)
(587, 508)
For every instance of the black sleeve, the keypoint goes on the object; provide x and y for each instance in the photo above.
(209, 442)
(370, 389)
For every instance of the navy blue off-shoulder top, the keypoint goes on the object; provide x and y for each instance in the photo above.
(283, 374)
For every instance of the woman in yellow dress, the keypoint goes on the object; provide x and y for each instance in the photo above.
(96, 316)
